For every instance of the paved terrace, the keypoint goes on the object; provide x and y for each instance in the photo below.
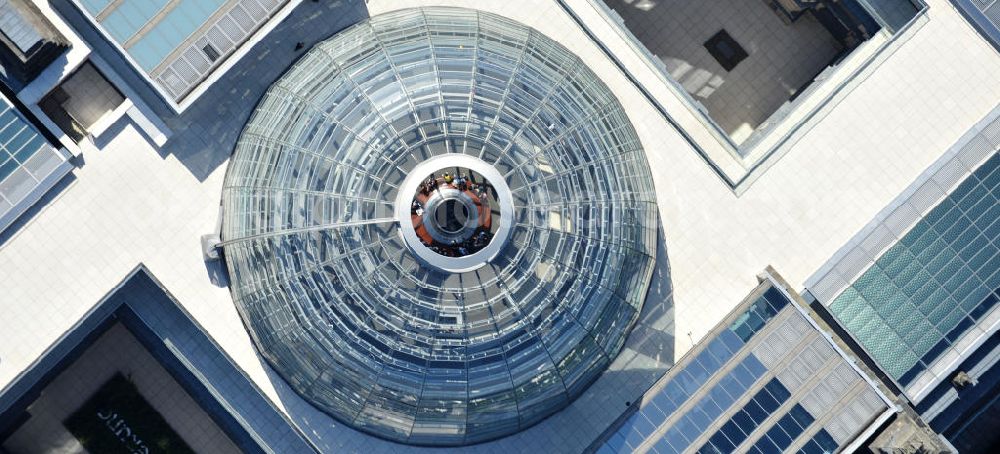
(130, 202)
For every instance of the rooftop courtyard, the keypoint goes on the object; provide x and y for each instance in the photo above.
(779, 57)
(742, 60)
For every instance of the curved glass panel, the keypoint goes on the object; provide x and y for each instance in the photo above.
(334, 296)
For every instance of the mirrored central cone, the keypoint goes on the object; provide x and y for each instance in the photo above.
(451, 215)
(455, 215)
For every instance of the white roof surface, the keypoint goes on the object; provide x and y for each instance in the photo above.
(128, 204)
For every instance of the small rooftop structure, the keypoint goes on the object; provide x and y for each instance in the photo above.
(30, 42)
(180, 48)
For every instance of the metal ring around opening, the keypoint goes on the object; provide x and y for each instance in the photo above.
(409, 234)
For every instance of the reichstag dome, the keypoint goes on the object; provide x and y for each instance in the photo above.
(440, 226)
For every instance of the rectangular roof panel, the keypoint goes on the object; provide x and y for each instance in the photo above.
(126, 20)
(29, 165)
(17, 28)
(95, 7)
(178, 44)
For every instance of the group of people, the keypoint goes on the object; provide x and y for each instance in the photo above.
(460, 182)
(473, 244)
(417, 208)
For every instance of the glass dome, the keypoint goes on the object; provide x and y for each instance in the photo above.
(368, 322)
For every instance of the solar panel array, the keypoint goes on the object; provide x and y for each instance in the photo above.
(933, 285)
(766, 382)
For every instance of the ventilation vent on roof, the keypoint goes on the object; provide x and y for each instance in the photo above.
(210, 52)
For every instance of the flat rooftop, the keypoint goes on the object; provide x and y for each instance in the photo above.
(129, 202)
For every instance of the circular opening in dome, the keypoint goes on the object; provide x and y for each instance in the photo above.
(459, 212)
(454, 212)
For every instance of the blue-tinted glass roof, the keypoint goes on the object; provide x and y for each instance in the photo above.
(177, 44)
(934, 284)
(94, 7)
(170, 30)
(128, 17)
